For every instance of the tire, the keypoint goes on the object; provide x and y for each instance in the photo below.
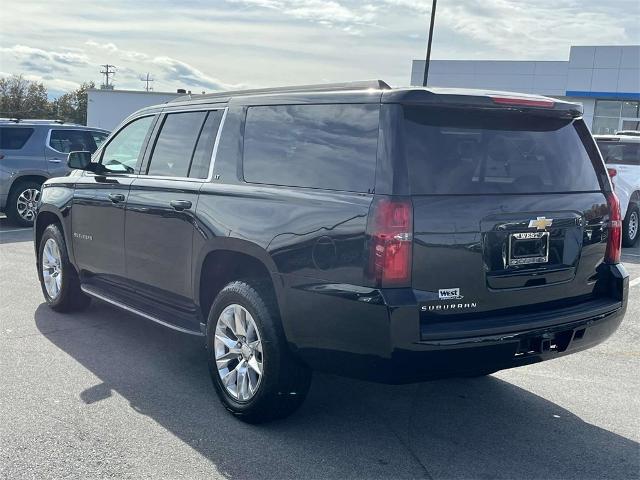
(284, 382)
(63, 295)
(631, 227)
(22, 203)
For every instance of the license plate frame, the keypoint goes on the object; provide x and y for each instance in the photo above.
(528, 248)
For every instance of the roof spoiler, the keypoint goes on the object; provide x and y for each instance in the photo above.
(450, 97)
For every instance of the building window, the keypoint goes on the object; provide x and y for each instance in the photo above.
(613, 115)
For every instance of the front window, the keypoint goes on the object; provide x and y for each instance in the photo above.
(124, 150)
(99, 137)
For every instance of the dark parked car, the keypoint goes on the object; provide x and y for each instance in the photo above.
(32, 151)
(388, 234)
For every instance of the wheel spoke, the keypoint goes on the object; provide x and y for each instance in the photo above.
(239, 315)
(257, 345)
(255, 365)
(230, 378)
(229, 343)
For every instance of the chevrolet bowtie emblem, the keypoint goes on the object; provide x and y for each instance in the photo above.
(541, 223)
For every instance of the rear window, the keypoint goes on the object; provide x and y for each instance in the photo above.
(172, 153)
(619, 153)
(320, 146)
(14, 138)
(469, 152)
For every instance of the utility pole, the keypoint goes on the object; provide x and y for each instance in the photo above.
(109, 70)
(147, 79)
(428, 59)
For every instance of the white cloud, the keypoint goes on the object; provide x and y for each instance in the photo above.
(212, 44)
(328, 13)
(41, 60)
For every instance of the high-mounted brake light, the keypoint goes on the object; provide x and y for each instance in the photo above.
(524, 102)
(614, 238)
(390, 232)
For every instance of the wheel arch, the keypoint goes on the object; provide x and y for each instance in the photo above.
(26, 178)
(227, 259)
(47, 215)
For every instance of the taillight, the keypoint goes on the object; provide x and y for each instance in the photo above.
(612, 173)
(524, 102)
(614, 239)
(390, 232)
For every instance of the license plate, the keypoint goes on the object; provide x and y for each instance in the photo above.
(528, 248)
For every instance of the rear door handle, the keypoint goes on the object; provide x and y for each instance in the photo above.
(116, 197)
(55, 160)
(180, 204)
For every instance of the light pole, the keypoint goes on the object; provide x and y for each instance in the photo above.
(428, 59)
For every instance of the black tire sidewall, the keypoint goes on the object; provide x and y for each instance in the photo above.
(12, 202)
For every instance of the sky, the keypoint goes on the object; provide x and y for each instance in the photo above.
(228, 44)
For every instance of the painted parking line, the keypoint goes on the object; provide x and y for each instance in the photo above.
(634, 283)
(630, 254)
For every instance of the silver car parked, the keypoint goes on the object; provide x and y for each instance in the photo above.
(31, 151)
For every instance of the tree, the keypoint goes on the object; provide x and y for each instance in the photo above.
(20, 98)
(72, 106)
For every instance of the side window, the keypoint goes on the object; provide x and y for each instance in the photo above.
(98, 138)
(204, 149)
(123, 151)
(14, 138)
(320, 146)
(175, 145)
(66, 141)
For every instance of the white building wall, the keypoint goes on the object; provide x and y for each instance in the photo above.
(107, 108)
(541, 77)
(590, 74)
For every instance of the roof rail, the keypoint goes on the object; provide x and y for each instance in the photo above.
(323, 87)
(35, 121)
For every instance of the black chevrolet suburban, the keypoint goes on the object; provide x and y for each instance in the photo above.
(393, 235)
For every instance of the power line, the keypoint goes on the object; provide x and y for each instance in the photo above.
(109, 70)
(147, 79)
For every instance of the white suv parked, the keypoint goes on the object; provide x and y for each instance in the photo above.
(621, 153)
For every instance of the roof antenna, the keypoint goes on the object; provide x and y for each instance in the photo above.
(428, 59)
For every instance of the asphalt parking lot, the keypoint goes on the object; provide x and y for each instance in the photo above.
(104, 394)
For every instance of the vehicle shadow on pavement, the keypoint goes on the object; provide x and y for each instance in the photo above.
(459, 428)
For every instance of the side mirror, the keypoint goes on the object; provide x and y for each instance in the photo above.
(79, 160)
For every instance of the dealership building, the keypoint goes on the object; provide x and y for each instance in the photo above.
(605, 79)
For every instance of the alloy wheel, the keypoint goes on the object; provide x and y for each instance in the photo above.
(52, 268)
(238, 352)
(27, 204)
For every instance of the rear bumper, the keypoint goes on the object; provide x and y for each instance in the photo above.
(378, 337)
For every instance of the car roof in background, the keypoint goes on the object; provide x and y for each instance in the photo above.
(4, 122)
(618, 138)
